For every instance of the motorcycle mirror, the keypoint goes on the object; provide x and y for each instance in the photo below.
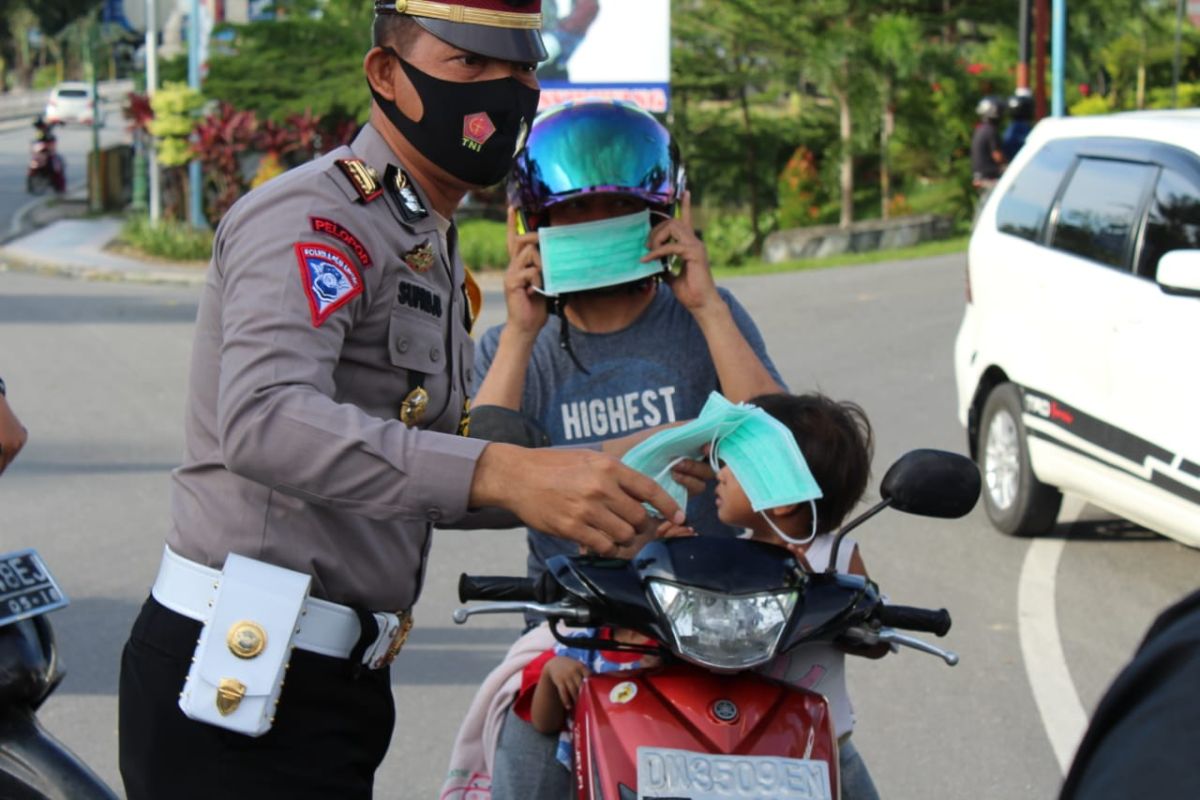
(932, 483)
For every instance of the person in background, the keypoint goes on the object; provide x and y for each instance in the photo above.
(1020, 116)
(987, 159)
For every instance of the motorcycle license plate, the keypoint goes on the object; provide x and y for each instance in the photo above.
(684, 775)
(27, 589)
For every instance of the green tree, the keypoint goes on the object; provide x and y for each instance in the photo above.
(300, 63)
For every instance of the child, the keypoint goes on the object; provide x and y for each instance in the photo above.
(835, 438)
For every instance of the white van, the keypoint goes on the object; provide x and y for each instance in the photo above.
(1076, 361)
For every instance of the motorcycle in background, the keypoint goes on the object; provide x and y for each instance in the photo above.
(33, 764)
(46, 167)
(704, 726)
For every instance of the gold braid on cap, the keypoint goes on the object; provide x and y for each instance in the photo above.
(473, 16)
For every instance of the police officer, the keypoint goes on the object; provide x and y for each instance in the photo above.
(328, 395)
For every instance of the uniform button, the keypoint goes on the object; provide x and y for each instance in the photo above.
(402, 344)
(435, 354)
(434, 514)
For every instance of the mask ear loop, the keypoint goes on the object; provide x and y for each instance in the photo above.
(665, 471)
(791, 539)
(564, 333)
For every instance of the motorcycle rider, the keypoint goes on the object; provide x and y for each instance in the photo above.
(628, 347)
(1020, 115)
(620, 355)
(987, 159)
(45, 154)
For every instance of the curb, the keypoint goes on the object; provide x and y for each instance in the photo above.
(160, 276)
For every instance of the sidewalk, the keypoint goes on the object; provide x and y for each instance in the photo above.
(67, 242)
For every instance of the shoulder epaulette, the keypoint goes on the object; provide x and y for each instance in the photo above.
(362, 177)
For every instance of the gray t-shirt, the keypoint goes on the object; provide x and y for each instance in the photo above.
(655, 371)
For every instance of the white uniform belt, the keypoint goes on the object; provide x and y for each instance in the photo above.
(327, 628)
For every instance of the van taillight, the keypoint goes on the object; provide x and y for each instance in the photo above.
(968, 283)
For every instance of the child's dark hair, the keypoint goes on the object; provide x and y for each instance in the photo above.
(835, 438)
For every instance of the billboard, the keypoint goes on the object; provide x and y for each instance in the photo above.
(607, 48)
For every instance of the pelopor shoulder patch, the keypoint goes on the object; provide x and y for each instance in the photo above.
(363, 177)
(339, 231)
(329, 279)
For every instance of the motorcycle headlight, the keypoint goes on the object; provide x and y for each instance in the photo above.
(726, 632)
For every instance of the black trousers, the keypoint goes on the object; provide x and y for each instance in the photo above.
(330, 734)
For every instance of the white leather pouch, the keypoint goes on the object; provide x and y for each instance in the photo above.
(244, 648)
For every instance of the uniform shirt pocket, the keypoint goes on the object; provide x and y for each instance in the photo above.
(416, 344)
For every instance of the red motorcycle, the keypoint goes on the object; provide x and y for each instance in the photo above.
(46, 167)
(702, 726)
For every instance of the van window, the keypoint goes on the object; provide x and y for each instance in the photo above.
(1173, 222)
(72, 93)
(1099, 209)
(1023, 209)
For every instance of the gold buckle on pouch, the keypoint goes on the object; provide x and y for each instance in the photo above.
(406, 624)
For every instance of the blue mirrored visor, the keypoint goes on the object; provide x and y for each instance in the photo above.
(584, 148)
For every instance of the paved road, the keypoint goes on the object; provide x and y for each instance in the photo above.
(74, 143)
(98, 373)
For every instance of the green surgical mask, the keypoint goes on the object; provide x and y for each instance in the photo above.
(759, 449)
(592, 255)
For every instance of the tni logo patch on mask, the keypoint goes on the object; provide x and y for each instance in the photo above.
(329, 279)
(477, 129)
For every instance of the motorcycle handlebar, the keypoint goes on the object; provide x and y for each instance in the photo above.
(916, 619)
(486, 587)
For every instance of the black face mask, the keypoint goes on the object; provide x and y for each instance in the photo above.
(471, 130)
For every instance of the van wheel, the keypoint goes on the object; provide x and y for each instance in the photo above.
(1016, 501)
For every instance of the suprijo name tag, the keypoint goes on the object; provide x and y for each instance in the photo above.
(665, 773)
(27, 589)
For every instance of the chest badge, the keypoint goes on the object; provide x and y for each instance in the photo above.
(400, 189)
(420, 258)
(414, 405)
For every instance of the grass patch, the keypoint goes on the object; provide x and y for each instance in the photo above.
(171, 240)
(924, 250)
(483, 244)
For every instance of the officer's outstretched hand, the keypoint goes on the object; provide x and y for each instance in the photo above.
(527, 311)
(12, 434)
(694, 286)
(581, 495)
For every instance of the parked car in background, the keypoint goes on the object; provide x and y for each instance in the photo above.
(1076, 360)
(72, 103)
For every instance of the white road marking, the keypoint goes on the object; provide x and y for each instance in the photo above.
(1058, 702)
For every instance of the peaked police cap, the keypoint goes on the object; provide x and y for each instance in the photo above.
(505, 29)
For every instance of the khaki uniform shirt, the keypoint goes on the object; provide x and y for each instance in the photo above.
(318, 304)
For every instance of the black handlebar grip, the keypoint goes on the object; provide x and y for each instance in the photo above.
(916, 619)
(484, 587)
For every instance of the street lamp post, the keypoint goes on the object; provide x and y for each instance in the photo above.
(1058, 56)
(195, 212)
(151, 88)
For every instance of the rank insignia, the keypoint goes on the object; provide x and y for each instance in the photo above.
(364, 178)
(414, 405)
(329, 279)
(420, 258)
(400, 187)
